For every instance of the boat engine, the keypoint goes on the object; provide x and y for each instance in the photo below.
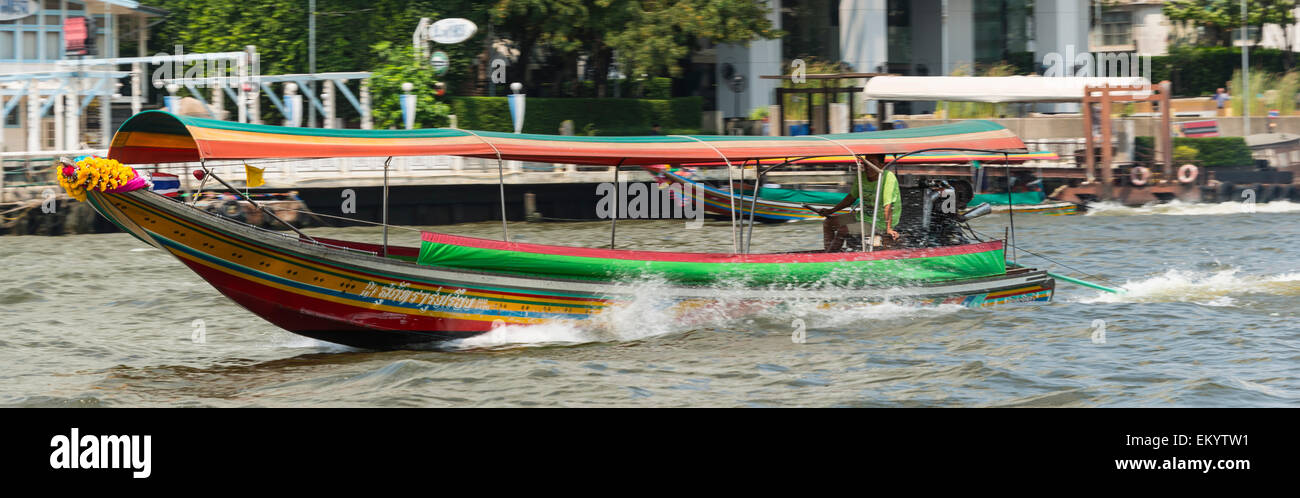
(934, 211)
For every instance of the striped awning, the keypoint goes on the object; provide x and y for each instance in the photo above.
(161, 137)
(934, 157)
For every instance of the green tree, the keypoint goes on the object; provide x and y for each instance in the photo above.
(398, 65)
(1220, 17)
(346, 32)
(661, 33)
(650, 37)
(530, 24)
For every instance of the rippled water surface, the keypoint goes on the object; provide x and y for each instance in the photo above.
(1209, 319)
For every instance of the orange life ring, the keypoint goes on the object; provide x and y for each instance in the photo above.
(1139, 175)
(1187, 173)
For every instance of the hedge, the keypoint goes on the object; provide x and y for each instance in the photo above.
(653, 88)
(1199, 71)
(607, 116)
(1211, 152)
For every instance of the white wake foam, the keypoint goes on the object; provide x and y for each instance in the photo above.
(1210, 289)
(651, 313)
(1179, 208)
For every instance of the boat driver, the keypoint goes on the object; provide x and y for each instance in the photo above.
(836, 229)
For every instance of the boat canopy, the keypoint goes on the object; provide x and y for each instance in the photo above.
(934, 157)
(162, 137)
(994, 89)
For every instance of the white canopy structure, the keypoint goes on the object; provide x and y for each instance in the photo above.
(994, 89)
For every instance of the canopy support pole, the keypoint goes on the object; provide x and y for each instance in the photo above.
(862, 214)
(613, 219)
(207, 172)
(385, 249)
(731, 189)
(862, 227)
(741, 229)
(731, 200)
(753, 202)
(501, 177)
(1011, 208)
(198, 190)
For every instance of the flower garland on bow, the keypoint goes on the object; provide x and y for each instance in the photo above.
(96, 173)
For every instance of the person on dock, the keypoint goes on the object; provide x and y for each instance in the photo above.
(836, 228)
(1221, 97)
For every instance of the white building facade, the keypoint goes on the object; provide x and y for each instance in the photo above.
(943, 37)
(45, 97)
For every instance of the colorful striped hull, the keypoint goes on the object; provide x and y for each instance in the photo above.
(340, 292)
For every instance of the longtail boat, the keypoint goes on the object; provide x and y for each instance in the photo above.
(778, 204)
(1027, 202)
(372, 295)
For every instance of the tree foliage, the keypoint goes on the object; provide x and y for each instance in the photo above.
(397, 65)
(662, 31)
(345, 29)
(553, 38)
(645, 37)
(1220, 17)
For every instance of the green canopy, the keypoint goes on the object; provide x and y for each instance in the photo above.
(799, 196)
(925, 265)
(1017, 198)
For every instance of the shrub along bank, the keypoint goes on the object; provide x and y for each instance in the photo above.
(1211, 152)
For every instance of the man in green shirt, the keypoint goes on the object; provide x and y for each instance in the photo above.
(835, 228)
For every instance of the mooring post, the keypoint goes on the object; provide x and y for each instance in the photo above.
(1107, 171)
(530, 207)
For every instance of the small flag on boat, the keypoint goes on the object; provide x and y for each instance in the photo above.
(254, 176)
(166, 184)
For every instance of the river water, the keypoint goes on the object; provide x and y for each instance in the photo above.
(1209, 319)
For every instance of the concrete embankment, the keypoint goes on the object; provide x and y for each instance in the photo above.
(56, 215)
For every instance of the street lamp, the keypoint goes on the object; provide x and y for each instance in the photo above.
(516, 101)
(171, 101)
(293, 105)
(408, 105)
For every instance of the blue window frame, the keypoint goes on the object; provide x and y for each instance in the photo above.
(38, 38)
(14, 119)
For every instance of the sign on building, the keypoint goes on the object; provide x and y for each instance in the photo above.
(79, 36)
(451, 31)
(440, 62)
